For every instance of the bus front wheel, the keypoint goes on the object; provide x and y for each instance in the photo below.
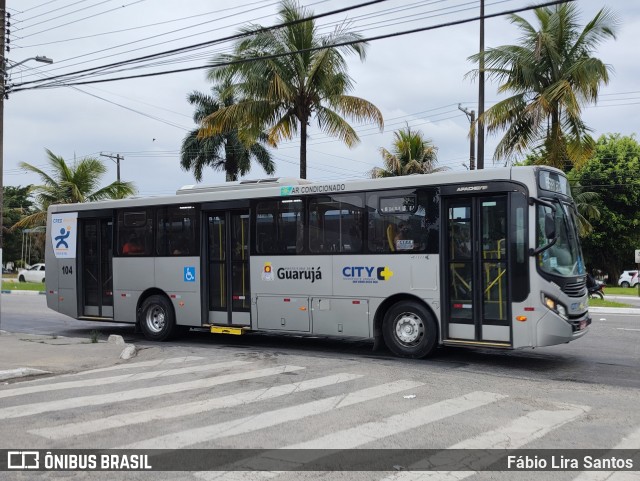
(157, 319)
(409, 330)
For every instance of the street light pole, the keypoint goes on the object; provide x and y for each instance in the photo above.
(481, 92)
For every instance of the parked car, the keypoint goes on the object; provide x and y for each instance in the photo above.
(35, 273)
(6, 271)
(628, 279)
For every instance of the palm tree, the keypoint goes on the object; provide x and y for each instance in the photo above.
(552, 74)
(70, 184)
(304, 77)
(222, 151)
(411, 154)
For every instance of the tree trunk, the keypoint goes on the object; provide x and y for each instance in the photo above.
(303, 149)
(230, 163)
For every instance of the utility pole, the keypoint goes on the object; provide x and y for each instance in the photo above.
(472, 147)
(117, 158)
(3, 62)
(481, 92)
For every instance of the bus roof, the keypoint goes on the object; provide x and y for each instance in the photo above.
(279, 187)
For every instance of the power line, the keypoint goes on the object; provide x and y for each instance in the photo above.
(211, 42)
(262, 58)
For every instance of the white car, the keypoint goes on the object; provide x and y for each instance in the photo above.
(628, 279)
(35, 273)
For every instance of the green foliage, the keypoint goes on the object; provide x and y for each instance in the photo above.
(15, 205)
(221, 151)
(613, 172)
(301, 78)
(70, 184)
(551, 74)
(411, 153)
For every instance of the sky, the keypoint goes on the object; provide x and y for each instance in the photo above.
(416, 79)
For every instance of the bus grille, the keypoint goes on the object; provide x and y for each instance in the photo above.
(575, 289)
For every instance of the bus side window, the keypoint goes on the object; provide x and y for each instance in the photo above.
(135, 232)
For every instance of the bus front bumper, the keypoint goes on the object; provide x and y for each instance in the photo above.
(551, 329)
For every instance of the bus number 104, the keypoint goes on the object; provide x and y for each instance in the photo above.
(67, 270)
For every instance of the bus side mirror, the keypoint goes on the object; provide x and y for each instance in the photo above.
(549, 226)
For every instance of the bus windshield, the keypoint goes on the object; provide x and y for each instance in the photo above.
(564, 258)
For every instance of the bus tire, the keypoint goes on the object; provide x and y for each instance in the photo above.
(409, 330)
(157, 319)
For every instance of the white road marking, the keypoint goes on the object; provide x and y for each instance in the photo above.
(187, 409)
(99, 399)
(357, 436)
(267, 419)
(632, 441)
(128, 378)
(513, 435)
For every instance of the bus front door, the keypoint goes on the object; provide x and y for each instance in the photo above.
(476, 307)
(228, 268)
(96, 279)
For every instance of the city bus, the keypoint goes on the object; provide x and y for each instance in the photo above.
(487, 258)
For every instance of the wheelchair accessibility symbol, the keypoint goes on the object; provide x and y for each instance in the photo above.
(190, 274)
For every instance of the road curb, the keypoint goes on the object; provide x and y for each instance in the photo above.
(615, 310)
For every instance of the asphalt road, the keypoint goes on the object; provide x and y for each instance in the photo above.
(273, 392)
(609, 354)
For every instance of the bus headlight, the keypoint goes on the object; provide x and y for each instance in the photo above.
(555, 306)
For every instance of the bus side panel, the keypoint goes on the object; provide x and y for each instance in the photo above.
(131, 277)
(61, 279)
(180, 278)
(51, 272)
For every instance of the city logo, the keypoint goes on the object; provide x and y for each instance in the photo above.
(366, 274)
(63, 234)
(267, 272)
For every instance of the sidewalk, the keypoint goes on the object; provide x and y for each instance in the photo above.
(31, 355)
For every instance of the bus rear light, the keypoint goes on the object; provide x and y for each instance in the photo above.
(286, 299)
(457, 306)
(355, 302)
(529, 309)
(521, 318)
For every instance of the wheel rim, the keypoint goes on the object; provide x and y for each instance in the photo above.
(155, 319)
(409, 329)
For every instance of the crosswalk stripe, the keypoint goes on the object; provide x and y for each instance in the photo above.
(357, 436)
(137, 364)
(118, 367)
(513, 435)
(271, 418)
(632, 441)
(187, 409)
(128, 378)
(141, 393)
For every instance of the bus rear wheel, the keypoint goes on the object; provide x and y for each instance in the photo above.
(157, 319)
(409, 330)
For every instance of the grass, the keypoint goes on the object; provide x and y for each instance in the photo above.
(14, 285)
(621, 291)
(606, 303)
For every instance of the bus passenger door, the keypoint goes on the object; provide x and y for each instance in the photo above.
(228, 267)
(96, 267)
(475, 258)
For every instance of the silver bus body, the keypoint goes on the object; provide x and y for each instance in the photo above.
(504, 294)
